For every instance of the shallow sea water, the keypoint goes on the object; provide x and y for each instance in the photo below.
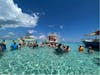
(45, 61)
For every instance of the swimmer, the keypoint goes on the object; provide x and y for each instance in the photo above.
(90, 50)
(81, 48)
(14, 46)
(68, 49)
(43, 44)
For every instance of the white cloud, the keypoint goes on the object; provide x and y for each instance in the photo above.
(32, 31)
(51, 26)
(6, 36)
(11, 33)
(41, 33)
(61, 26)
(12, 16)
(42, 37)
(63, 39)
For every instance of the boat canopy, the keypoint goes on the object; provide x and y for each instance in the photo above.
(94, 33)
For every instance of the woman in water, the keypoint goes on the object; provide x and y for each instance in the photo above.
(81, 48)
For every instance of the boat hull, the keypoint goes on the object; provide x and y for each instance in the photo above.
(95, 45)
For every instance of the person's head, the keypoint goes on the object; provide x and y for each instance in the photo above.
(63, 46)
(42, 42)
(23, 40)
(90, 47)
(59, 45)
(67, 47)
(3, 40)
(81, 46)
(14, 42)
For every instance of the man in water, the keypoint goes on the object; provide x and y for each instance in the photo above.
(59, 49)
(14, 46)
(3, 45)
(90, 50)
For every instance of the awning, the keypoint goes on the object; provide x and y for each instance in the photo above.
(94, 33)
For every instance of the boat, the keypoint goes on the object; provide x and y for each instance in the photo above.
(52, 38)
(93, 42)
(28, 37)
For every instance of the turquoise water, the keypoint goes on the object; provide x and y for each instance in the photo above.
(45, 61)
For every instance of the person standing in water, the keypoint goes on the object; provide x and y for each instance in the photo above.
(4, 45)
(14, 46)
(81, 48)
(90, 50)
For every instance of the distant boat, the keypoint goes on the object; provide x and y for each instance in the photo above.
(94, 42)
(28, 37)
(52, 38)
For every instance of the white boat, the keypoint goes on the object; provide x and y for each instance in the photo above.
(29, 38)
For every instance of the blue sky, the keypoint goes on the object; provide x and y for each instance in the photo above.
(71, 19)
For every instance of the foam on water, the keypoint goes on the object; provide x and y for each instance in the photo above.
(45, 61)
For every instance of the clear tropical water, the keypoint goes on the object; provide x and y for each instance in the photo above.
(45, 61)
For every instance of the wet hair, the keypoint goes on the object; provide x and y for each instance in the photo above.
(80, 45)
(14, 42)
(59, 45)
(23, 40)
(67, 47)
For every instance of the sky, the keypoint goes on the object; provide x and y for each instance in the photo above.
(70, 19)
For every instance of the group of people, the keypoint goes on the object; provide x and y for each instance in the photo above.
(60, 48)
(13, 46)
(55, 46)
(90, 49)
